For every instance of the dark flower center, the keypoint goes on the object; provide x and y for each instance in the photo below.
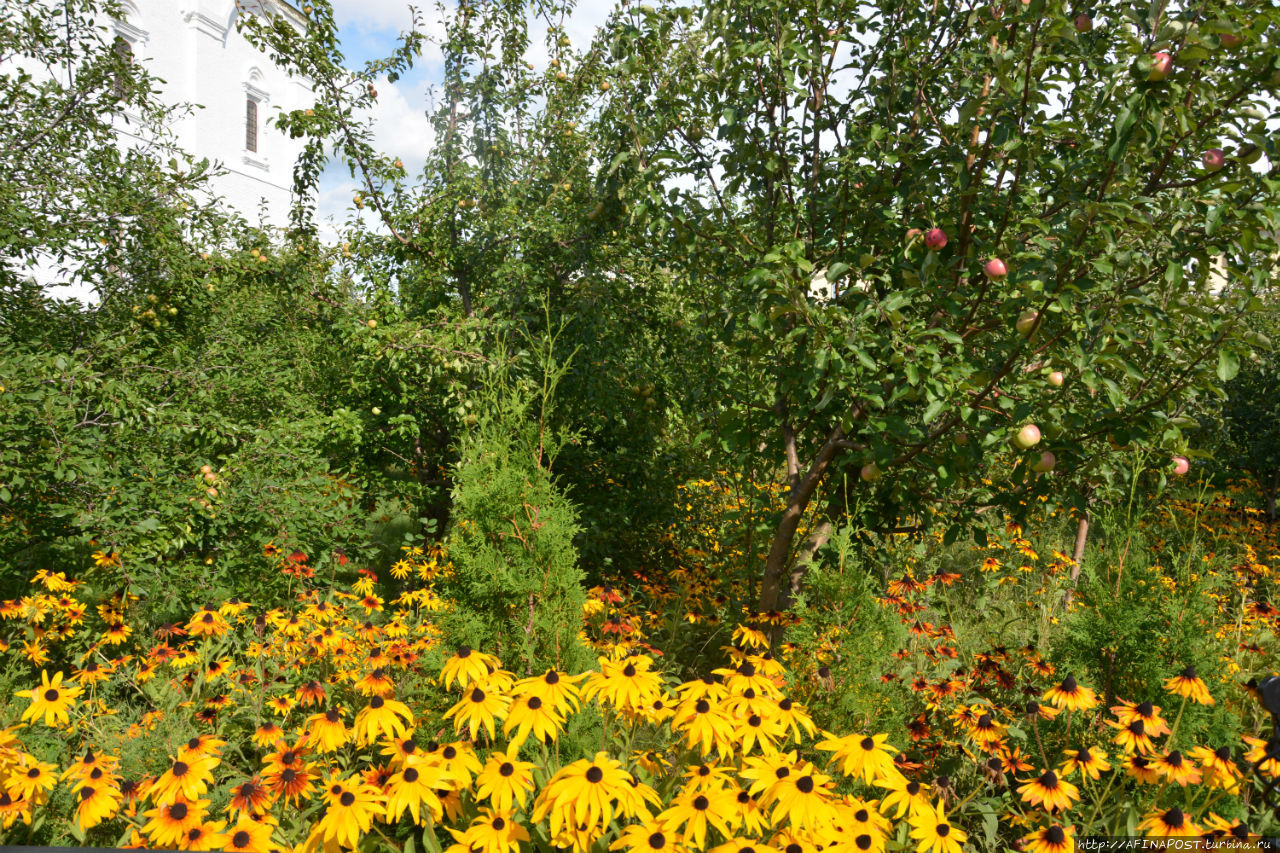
(700, 802)
(868, 744)
(594, 774)
(1138, 727)
(1069, 684)
(1174, 817)
(743, 799)
(629, 671)
(793, 848)
(194, 833)
(552, 677)
(1055, 835)
(347, 798)
(1223, 752)
(477, 695)
(177, 811)
(702, 707)
(784, 705)
(984, 722)
(332, 715)
(87, 791)
(1049, 780)
(33, 773)
(704, 770)
(1033, 708)
(748, 669)
(288, 757)
(507, 768)
(180, 768)
(535, 703)
(657, 841)
(944, 829)
(1189, 673)
(1146, 709)
(449, 753)
(805, 784)
(336, 790)
(464, 651)
(1174, 759)
(863, 841)
(913, 788)
(411, 774)
(288, 775)
(499, 824)
(240, 839)
(861, 816)
(754, 721)
(51, 695)
(782, 772)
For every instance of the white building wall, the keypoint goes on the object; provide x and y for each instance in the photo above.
(194, 47)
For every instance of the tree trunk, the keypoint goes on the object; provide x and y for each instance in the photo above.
(804, 558)
(802, 491)
(1082, 535)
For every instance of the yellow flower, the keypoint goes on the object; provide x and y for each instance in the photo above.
(50, 700)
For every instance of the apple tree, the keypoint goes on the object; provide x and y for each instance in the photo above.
(914, 231)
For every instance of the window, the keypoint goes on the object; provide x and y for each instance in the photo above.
(250, 124)
(124, 56)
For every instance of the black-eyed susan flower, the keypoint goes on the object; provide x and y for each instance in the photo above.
(169, 824)
(706, 726)
(1142, 769)
(795, 717)
(249, 836)
(207, 623)
(249, 798)
(460, 761)
(1089, 760)
(289, 783)
(479, 708)
(582, 792)
(52, 700)
(1053, 838)
(904, 797)
(743, 845)
(349, 814)
(556, 691)
(695, 811)
(326, 731)
(505, 781)
(626, 685)
(1071, 695)
(803, 799)
(1049, 792)
(708, 776)
(1149, 714)
(376, 682)
(754, 730)
(649, 837)
(466, 666)
(986, 730)
(311, 693)
(1261, 753)
(382, 717)
(206, 836)
(95, 802)
(1217, 767)
(1133, 737)
(1168, 823)
(1190, 686)
(413, 787)
(866, 757)
(267, 734)
(934, 833)
(32, 782)
(491, 832)
(1175, 767)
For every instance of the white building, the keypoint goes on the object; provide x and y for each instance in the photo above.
(193, 46)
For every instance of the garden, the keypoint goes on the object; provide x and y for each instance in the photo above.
(754, 429)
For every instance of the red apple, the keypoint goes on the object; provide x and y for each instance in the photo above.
(870, 473)
(1056, 379)
(913, 233)
(1028, 323)
(1230, 41)
(935, 239)
(1214, 159)
(1084, 23)
(1027, 437)
(1161, 66)
(1045, 463)
(995, 269)
(1181, 465)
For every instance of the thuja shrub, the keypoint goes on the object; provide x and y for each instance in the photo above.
(517, 583)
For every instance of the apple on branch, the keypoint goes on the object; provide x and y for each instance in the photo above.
(1027, 437)
(935, 239)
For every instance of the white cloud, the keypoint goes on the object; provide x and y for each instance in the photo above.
(370, 15)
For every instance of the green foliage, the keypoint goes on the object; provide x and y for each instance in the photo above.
(1251, 411)
(517, 582)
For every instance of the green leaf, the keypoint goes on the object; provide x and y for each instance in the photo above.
(1228, 365)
